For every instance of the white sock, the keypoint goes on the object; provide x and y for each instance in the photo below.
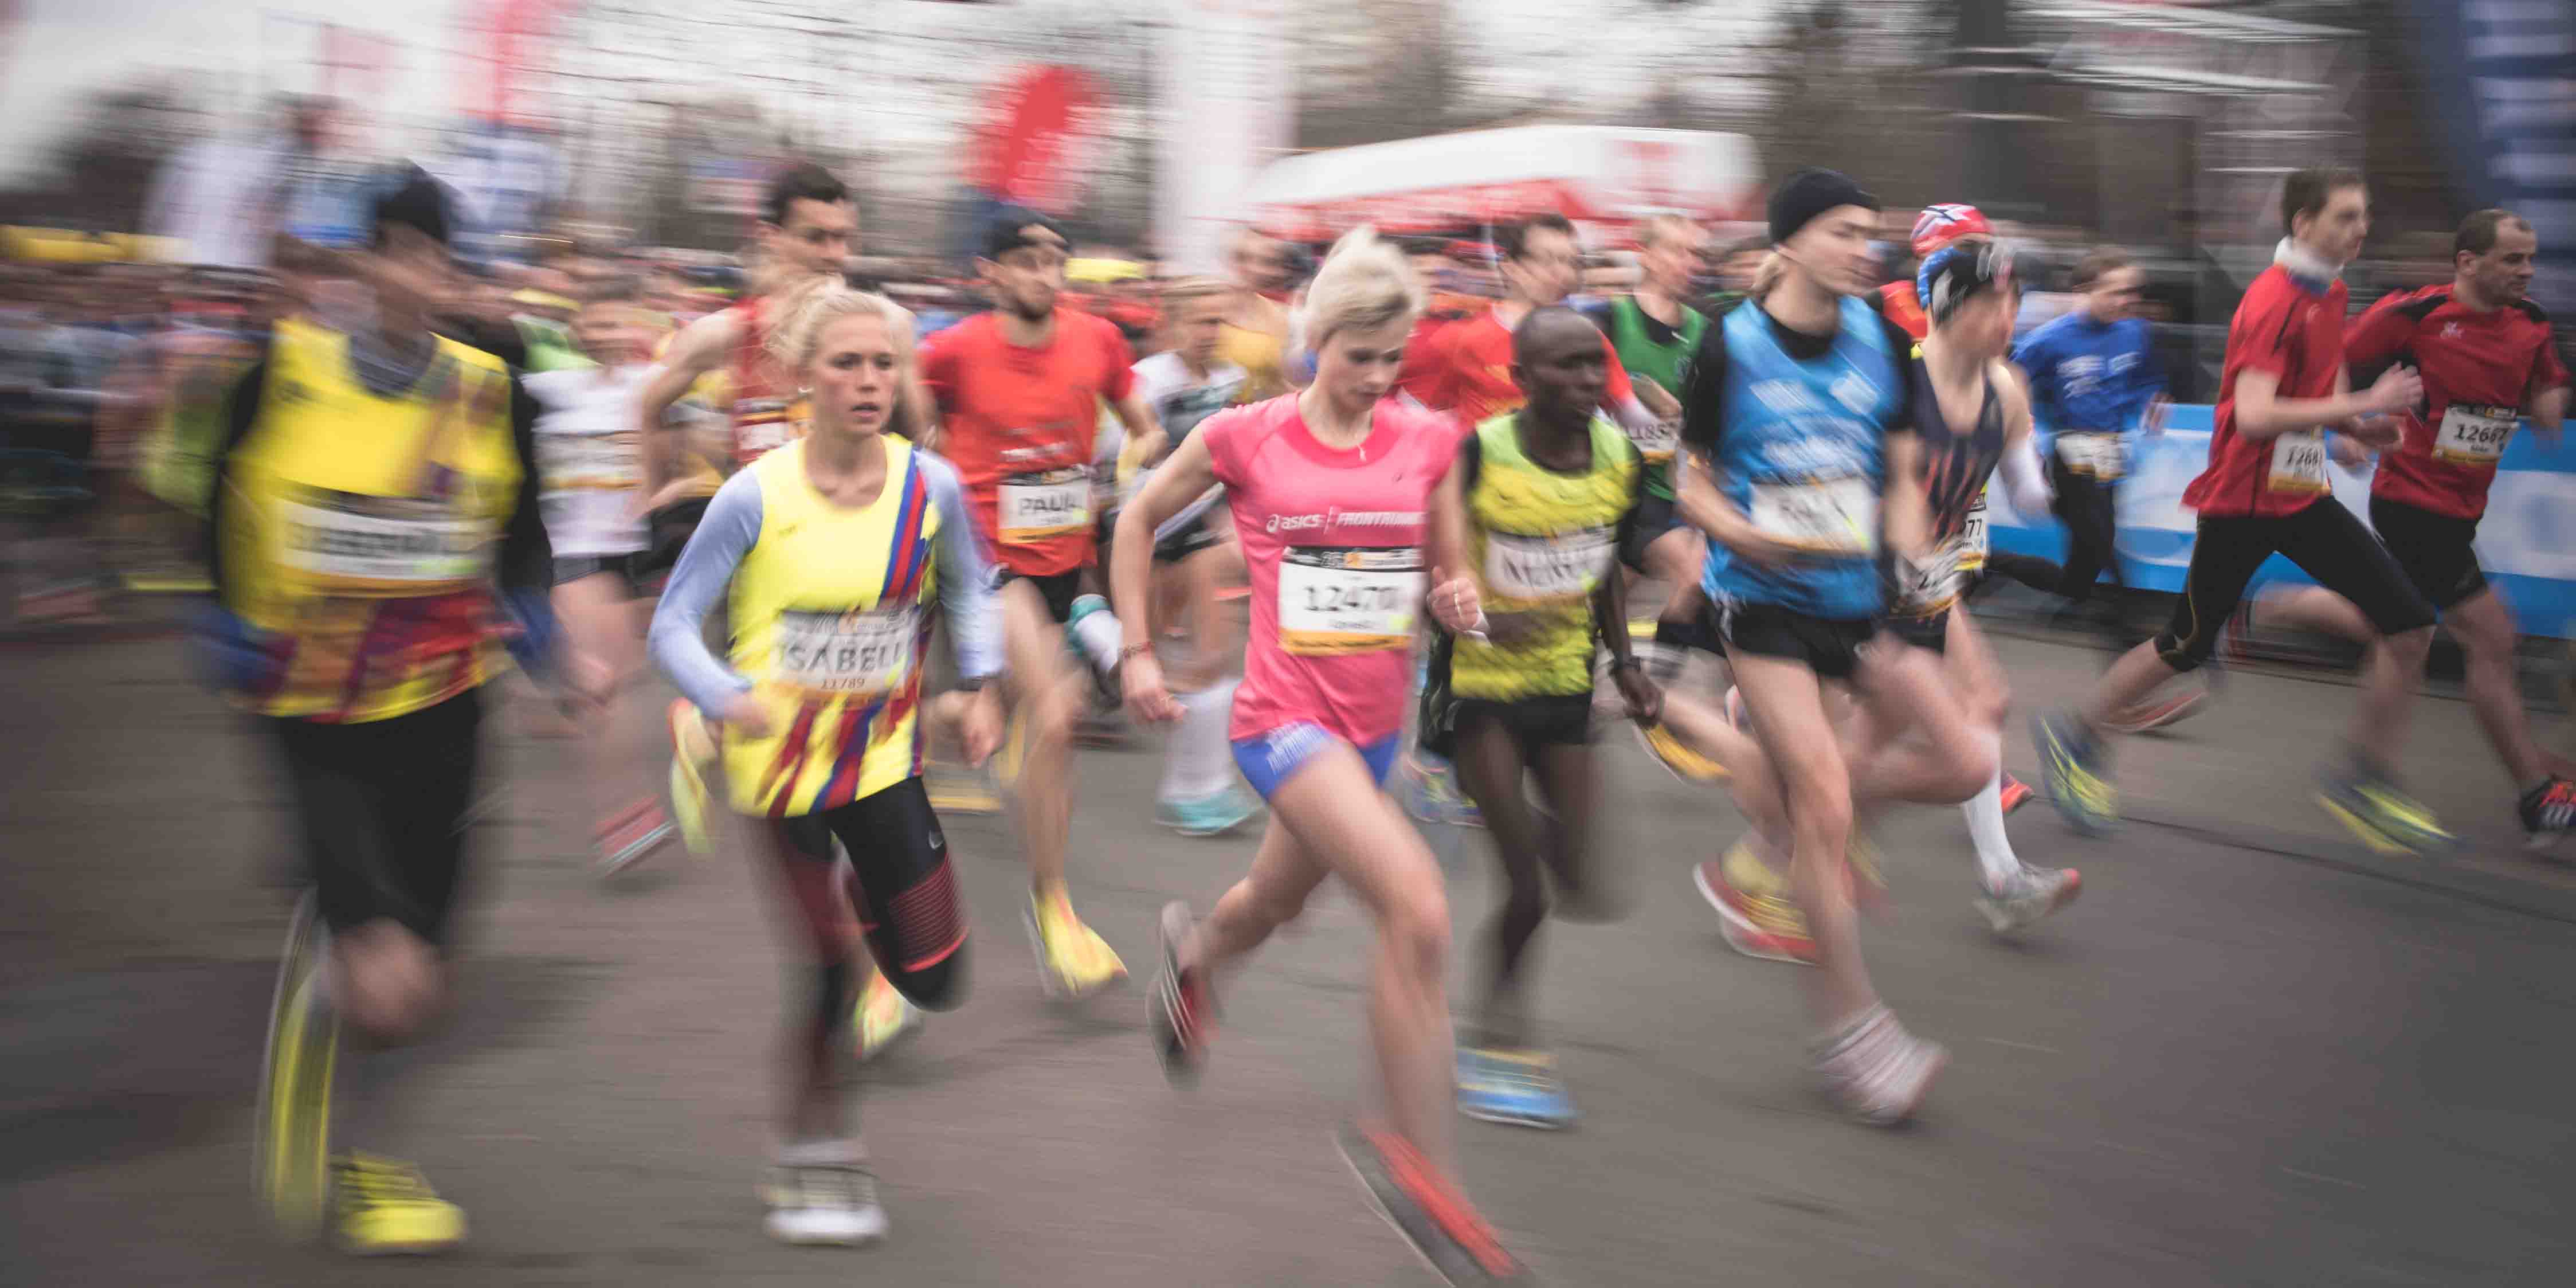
(1095, 633)
(1199, 763)
(1996, 862)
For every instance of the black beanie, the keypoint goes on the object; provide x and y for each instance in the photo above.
(1809, 193)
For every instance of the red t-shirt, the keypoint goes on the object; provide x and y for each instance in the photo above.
(2295, 332)
(1468, 371)
(1898, 302)
(766, 414)
(1019, 427)
(2479, 370)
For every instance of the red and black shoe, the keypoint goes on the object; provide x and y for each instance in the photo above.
(2016, 794)
(1428, 1210)
(1182, 1012)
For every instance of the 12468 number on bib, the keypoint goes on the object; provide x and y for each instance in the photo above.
(2299, 462)
(1346, 599)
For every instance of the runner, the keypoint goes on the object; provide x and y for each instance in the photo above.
(1327, 490)
(591, 462)
(2092, 377)
(1654, 333)
(1256, 319)
(1797, 421)
(1969, 293)
(1183, 386)
(2265, 492)
(346, 456)
(1533, 512)
(1019, 390)
(2485, 354)
(833, 552)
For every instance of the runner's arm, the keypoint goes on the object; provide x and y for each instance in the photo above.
(677, 640)
(966, 598)
(2547, 396)
(698, 349)
(1175, 483)
(2262, 413)
(1610, 598)
(2025, 481)
(527, 557)
(1909, 510)
(241, 411)
(1448, 505)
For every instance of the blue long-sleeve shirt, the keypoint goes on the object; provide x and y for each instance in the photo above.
(726, 533)
(2088, 375)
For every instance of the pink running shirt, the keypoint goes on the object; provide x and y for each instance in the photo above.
(1333, 540)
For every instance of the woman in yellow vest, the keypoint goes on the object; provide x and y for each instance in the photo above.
(371, 489)
(835, 555)
(1532, 512)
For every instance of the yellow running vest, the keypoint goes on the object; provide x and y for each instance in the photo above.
(360, 529)
(1541, 542)
(1260, 354)
(831, 623)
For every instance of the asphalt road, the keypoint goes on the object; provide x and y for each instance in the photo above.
(2253, 1054)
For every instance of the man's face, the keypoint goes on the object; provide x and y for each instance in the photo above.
(410, 269)
(816, 237)
(1672, 256)
(1564, 370)
(1259, 264)
(2114, 295)
(1834, 250)
(1547, 269)
(1198, 325)
(614, 334)
(2503, 274)
(1027, 279)
(2337, 229)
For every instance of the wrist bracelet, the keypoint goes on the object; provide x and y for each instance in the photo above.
(1628, 663)
(1127, 651)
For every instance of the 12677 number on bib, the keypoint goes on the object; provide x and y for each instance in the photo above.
(2474, 435)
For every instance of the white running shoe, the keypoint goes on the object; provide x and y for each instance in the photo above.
(2030, 894)
(822, 1193)
(1876, 1071)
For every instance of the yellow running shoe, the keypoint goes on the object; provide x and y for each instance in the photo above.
(884, 1017)
(1674, 754)
(1072, 961)
(383, 1207)
(955, 789)
(294, 1115)
(1754, 910)
(691, 750)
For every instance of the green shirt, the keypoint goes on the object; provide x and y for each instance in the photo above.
(1635, 336)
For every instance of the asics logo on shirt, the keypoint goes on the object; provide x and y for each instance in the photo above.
(1343, 519)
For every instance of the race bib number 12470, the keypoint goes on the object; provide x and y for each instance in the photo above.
(1347, 599)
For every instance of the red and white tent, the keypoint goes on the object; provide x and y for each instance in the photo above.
(1596, 174)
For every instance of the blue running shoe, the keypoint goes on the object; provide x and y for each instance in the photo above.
(2079, 781)
(1211, 815)
(1431, 793)
(1519, 1088)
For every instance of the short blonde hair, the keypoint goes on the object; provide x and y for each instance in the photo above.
(1654, 228)
(1365, 283)
(805, 313)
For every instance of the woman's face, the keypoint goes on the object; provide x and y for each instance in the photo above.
(1357, 366)
(855, 376)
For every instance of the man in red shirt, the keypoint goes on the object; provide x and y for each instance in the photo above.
(2264, 492)
(1465, 368)
(1020, 390)
(2486, 356)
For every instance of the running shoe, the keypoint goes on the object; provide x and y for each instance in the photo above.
(2015, 794)
(293, 1169)
(382, 1207)
(1876, 1071)
(1676, 756)
(883, 1018)
(1427, 1210)
(2152, 714)
(2079, 782)
(627, 837)
(691, 749)
(2380, 816)
(2028, 895)
(2548, 813)
(823, 1193)
(1072, 960)
(1182, 1011)
(1431, 792)
(1754, 911)
(1215, 814)
(1515, 1087)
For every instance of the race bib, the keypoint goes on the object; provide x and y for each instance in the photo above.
(2299, 462)
(2474, 435)
(1972, 538)
(1343, 599)
(1545, 569)
(1822, 516)
(762, 425)
(855, 652)
(1035, 507)
(2095, 456)
(349, 544)
(1930, 585)
(1656, 442)
(588, 462)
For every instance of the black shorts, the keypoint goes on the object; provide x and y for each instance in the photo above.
(899, 882)
(572, 568)
(1196, 535)
(381, 804)
(2435, 550)
(2325, 539)
(1549, 720)
(1931, 632)
(1058, 589)
(1655, 516)
(667, 533)
(1828, 646)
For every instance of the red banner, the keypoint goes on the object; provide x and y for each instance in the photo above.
(1036, 145)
